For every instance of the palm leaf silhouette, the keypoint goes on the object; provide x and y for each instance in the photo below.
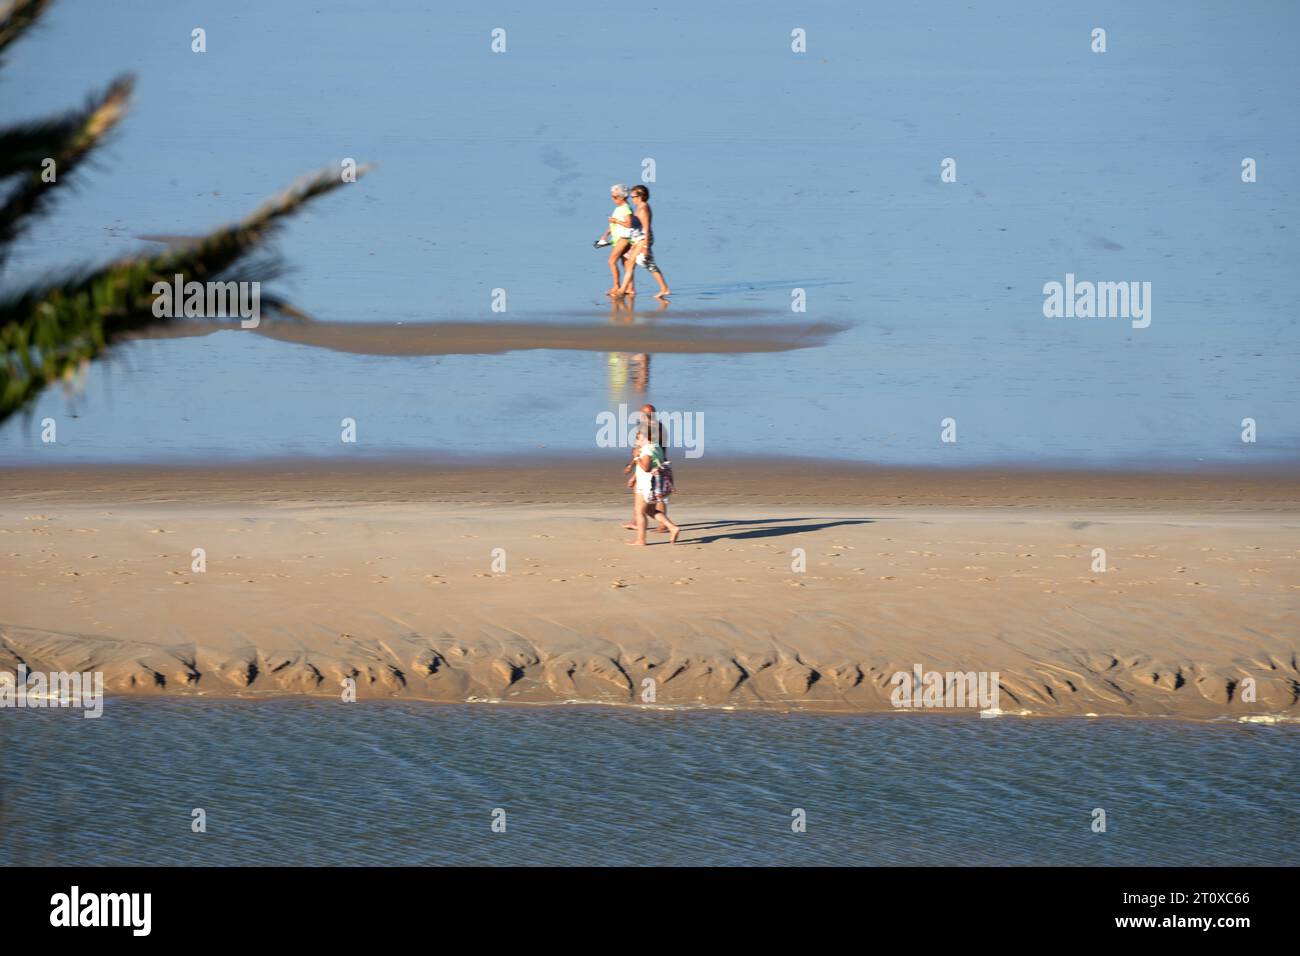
(50, 328)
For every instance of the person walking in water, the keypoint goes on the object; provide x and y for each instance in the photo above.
(618, 231)
(642, 239)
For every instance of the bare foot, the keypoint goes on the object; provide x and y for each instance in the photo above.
(664, 294)
(676, 532)
(629, 527)
(629, 291)
(635, 544)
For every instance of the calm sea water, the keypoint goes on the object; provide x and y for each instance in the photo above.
(773, 171)
(311, 782)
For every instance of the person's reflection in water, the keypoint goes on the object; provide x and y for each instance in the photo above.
(628, 367)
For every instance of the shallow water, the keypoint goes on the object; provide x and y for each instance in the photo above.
(773, 171)
(312, 782)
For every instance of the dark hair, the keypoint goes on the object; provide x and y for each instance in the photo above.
(649, 425)
(641, 191)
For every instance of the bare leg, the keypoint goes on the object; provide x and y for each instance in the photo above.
(664, 291)
(629, 268)
(615, 254)
(640, 524)
(668, 526)
(636, 506)
(653, 268)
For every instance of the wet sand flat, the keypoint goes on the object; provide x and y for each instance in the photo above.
(598, 480)
(484, 338)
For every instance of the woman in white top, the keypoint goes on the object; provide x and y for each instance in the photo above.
(619, 231)
(649, 457)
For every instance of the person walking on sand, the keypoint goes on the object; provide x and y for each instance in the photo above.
(642, 240)
(656, 430)
(618, 231)
(650, 488)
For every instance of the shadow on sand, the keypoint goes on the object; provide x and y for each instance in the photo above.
(778, 527)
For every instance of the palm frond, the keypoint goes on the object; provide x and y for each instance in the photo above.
(48, 330)
(222, 249)
(17, 16)
(83, 131)
(24, 146)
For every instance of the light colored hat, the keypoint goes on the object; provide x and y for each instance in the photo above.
(619, 190)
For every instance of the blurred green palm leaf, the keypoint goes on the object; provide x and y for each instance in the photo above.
(50, 328)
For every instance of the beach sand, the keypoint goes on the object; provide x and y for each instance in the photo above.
(385, 572)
